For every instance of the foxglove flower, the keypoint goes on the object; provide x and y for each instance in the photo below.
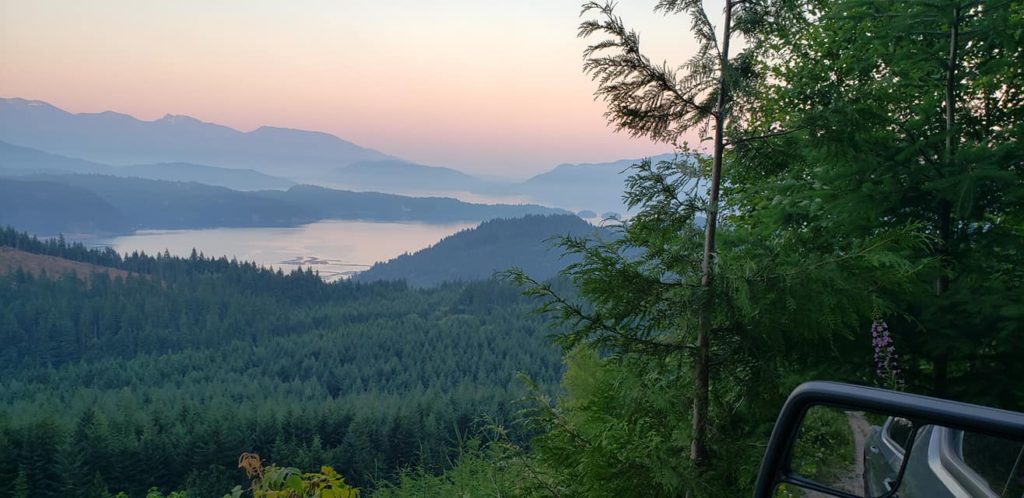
(887, 368)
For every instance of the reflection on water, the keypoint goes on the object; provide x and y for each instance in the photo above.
(336, 249)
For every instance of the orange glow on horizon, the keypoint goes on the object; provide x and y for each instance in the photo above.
(479, 86)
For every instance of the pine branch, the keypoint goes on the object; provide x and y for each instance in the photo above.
(584, 322)
(774, 134)
(646, 99)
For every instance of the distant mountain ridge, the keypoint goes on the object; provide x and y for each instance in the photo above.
(392, 174)
(237, 179)
(494, 246)
(291, 156)
(592, 186)
(100, 204)
(343, 204)
(120, 139)
(19, 161)
(123, 205)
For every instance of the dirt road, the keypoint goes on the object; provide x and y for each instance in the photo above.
(852, 481)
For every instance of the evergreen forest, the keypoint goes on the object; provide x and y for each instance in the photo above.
(162, 379)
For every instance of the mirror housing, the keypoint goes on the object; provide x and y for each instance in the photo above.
(920, 410)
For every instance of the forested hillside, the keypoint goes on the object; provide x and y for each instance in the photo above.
(53, 204)
(158, 204)
(13, 260)
(164, 378)
(42, 206)
(348, 205)
(497, 245)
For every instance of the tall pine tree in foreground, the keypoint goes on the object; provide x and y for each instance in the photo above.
(657, 102)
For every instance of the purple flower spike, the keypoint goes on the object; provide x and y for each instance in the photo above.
(887, 367)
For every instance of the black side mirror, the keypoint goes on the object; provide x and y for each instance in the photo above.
(851, 441)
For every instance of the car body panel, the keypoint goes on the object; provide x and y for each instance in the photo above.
(935, 469)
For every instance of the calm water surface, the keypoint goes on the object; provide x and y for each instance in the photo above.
(336, 249)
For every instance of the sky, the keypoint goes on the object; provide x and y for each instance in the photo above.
(486, 86)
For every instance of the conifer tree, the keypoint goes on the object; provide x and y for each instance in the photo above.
(8, 462)
(39, 457)
(20, 488)
(96, 487)
(656, 101)
(913, 131)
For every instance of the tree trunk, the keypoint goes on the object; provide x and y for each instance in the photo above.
(940, 367)
(701, 395)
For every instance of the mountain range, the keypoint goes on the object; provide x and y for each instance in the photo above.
(592, 186)
(19, 161)
(120, 139)
(183, 148)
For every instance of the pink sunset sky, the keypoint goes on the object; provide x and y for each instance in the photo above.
(488, 87)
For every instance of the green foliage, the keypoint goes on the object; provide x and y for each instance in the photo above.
(845, 203)
(481, 470)
(155, 493)
(163, 378)
(622, 421)
(824, 448)
(288, 482)
(21, 488)
(911, 135)
(618, 430)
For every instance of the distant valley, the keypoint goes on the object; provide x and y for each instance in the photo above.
(286, 198)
